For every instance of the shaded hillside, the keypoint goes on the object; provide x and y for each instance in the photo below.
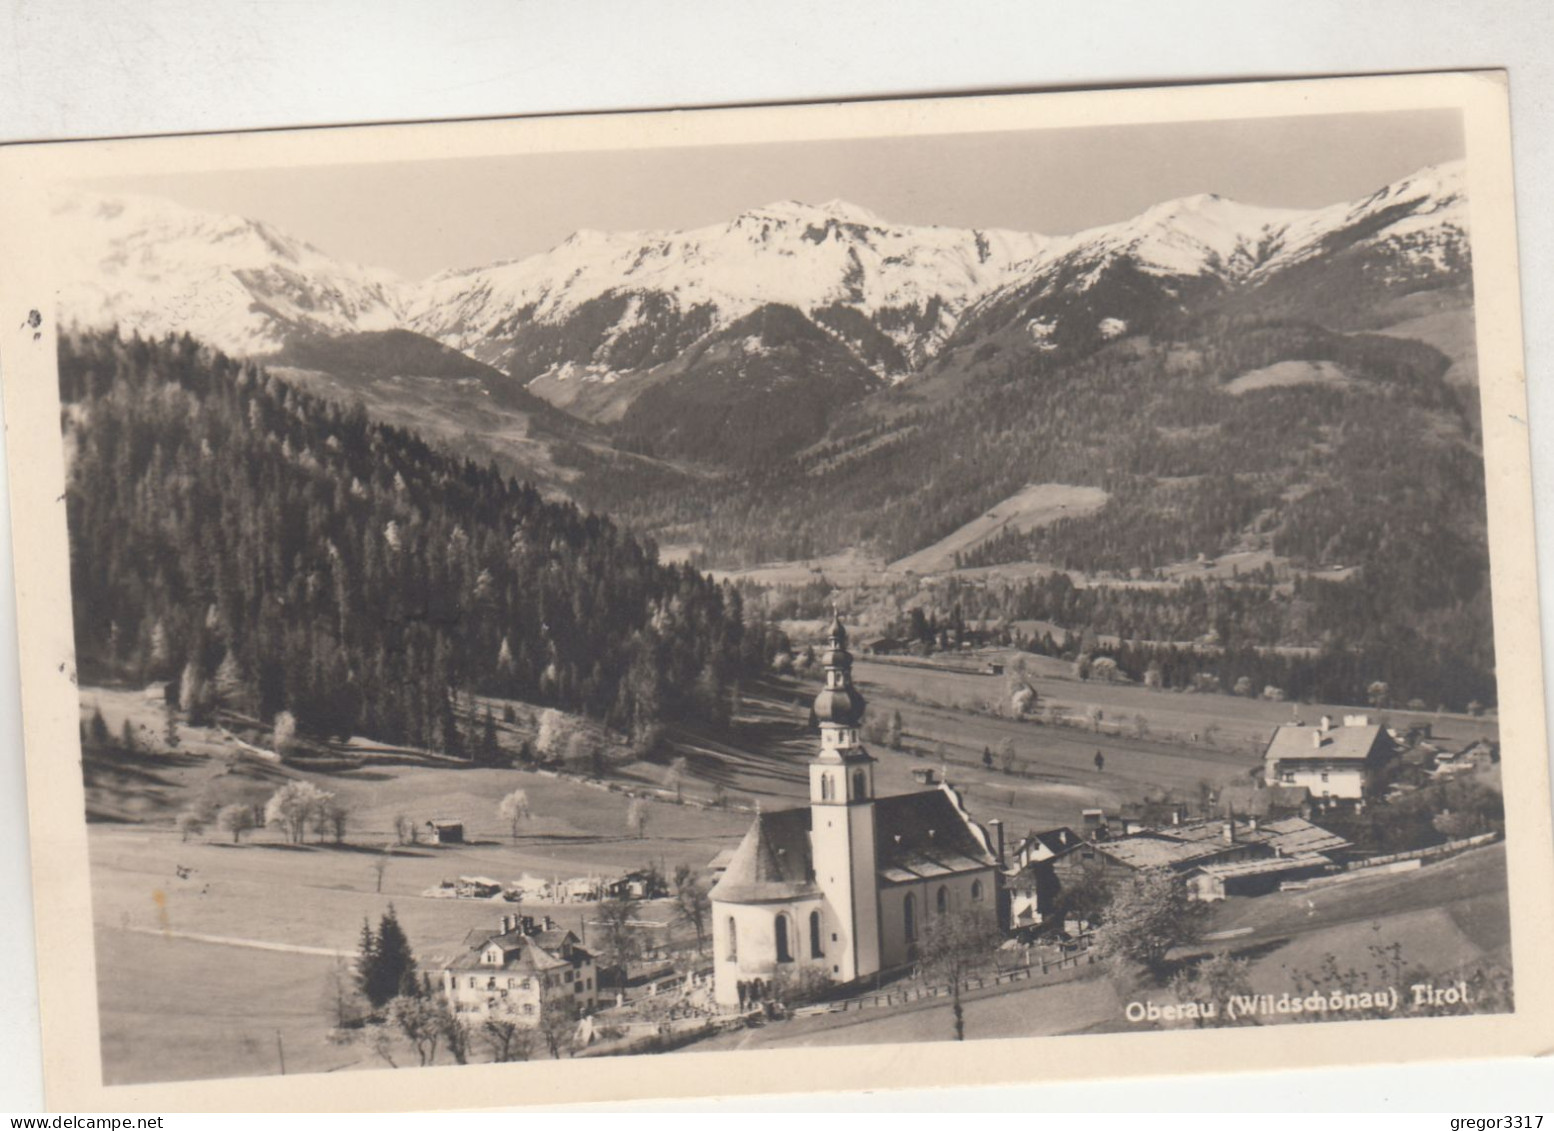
(764, 387)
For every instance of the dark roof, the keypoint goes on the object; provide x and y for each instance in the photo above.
(1055, 840)
(916, 835)
(519, 951)
(1147, 851)
(772, 862)
(1289, 836)
(926, 834)
(841, 705)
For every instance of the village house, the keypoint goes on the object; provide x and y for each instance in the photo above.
(444, 830)
(516, 969)
(1480, 755)
(1336, 763)
(1032, 882)
(847, 886)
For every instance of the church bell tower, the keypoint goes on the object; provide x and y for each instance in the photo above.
(841, 796)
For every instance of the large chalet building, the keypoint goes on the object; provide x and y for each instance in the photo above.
(848, 885)
(1335, 763)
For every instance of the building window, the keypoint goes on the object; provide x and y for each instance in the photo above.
(1324, 775)
(860, 785)
(733, 940)
(909, 917)
(976, 891)
(784, 947)
(941, 900)
(827, 790)
(814, 935)
(528, 1009)
(524, 985)
(472, 983)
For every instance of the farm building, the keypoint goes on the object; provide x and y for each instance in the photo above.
(637, 885)
(1189, 847)
(443, 830)
(847, 885)
(1477, 756)
(1213, 882)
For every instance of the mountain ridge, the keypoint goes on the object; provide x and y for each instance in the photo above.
(667, 336)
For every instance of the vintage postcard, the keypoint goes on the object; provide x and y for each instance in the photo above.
(944, 591)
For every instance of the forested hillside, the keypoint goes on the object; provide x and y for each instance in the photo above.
(1204, 447)
(285, 552)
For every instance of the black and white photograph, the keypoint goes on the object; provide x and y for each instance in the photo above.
(533, 601)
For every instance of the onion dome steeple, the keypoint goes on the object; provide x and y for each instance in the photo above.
(838, 703)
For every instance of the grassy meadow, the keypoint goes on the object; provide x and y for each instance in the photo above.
(193, 972)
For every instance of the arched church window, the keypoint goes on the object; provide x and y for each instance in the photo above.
(976, 890)
(733, 940)
(784, 948)
(827, 790)
(942, 900)
(909, 917)
(860, 785)
(815, 950)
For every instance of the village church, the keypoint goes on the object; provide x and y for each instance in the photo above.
(846, 886)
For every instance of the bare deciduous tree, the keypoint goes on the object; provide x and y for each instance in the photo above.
(508, 1040)
(236, 819)
(675, 776)
(955, 947)
(513, 809)
(637, 816)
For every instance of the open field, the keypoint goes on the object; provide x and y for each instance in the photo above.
(177, 1005)
(849, 568)
(1033, 506)
(174, 1007)
(1241, 721)
(1450, 330)
(177, 1010)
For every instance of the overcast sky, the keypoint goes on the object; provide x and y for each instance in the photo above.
(417, 218)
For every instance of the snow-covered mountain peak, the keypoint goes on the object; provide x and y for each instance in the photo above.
(808, 257)
(1442, 184)
(1191, 235)
(798, 212)
(154, 266)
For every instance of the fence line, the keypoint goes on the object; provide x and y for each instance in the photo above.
(919, 993)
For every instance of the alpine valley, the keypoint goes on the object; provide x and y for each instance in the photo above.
(1210, 421)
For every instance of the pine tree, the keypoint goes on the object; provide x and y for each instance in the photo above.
(490, 747)
(367, 965)
(395, 965)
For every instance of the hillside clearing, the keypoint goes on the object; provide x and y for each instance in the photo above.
(1031, 507)
(1284, 374)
